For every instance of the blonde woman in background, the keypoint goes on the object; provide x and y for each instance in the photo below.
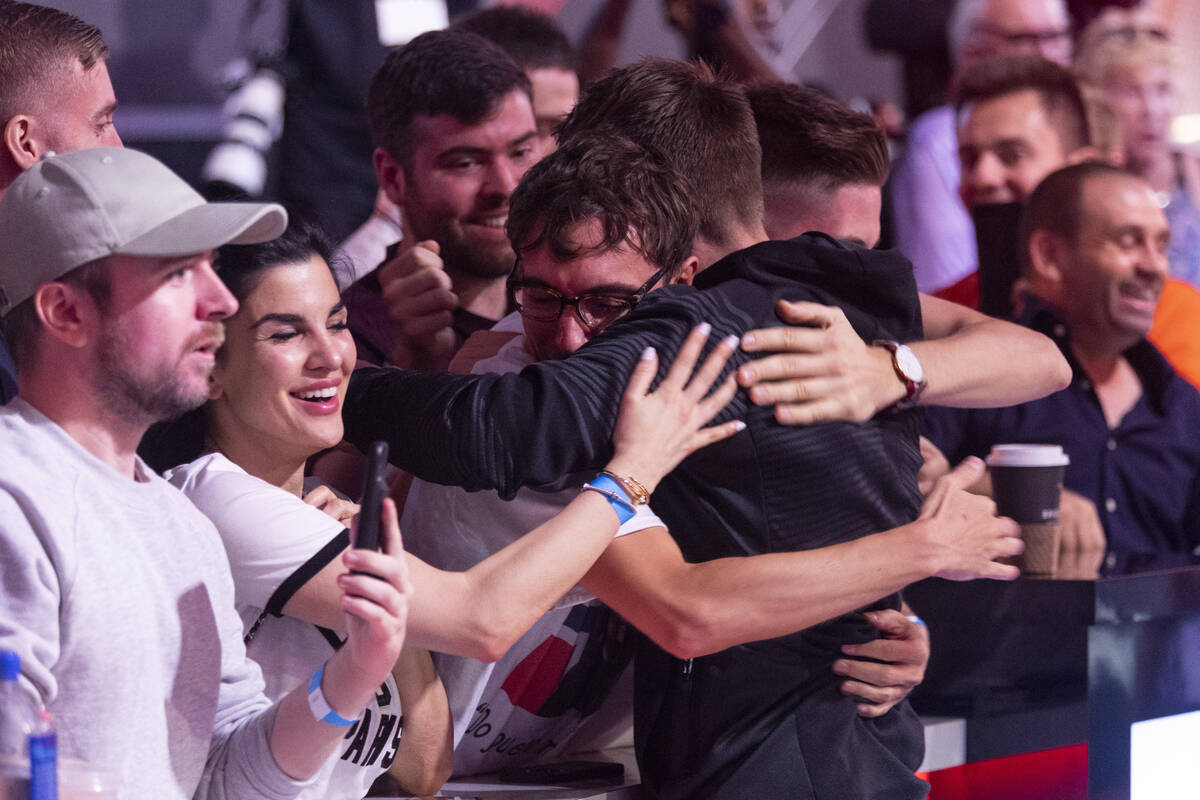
(1127, 59)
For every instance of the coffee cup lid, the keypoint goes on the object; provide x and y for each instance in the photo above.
(1027, 455)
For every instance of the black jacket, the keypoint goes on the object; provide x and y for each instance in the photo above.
(764, 719)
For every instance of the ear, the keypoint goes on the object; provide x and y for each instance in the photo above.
(68, 313)
(22, 142)
(687, 272)
(390, 175)
(1046, 251)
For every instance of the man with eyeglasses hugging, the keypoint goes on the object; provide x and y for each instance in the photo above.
(601, 223)
(774, 489)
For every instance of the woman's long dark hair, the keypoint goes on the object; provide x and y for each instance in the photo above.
(241, 267)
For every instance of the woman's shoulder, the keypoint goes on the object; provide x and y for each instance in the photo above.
(212, 479)
(267, 531)
(209, 464)
(236, 500)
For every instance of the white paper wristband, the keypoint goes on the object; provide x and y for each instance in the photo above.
(319, 706)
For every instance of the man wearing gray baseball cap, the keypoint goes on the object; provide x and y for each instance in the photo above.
(114, 590)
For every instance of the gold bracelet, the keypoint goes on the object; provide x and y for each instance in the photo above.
(637, 493)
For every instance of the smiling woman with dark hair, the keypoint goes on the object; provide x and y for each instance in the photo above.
(275, 399)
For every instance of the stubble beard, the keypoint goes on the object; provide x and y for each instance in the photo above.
(473, 261)
(141, 399)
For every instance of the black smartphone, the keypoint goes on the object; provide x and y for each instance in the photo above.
(371, 502)
(566, 773)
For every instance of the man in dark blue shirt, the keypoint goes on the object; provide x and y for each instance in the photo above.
(1094, 243)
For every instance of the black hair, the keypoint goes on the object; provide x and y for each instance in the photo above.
(642, 201)
(1055, 86)
(452, 72)
(241, 266)
(699, 120)
(811, 139)
(531, 38)
(1056, 205)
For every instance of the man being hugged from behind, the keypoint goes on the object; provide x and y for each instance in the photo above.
(599, 224)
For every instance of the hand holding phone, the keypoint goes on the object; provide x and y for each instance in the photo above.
(366, 535)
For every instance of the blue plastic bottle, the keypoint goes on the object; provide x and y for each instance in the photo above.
(28, 747)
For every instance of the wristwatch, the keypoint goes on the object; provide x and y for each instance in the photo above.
(908, 370)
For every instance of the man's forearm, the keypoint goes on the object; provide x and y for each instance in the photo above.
(478, 431)
(547, 426)
(975, 361)
(425, 757)
(300, 743)
(695, 609)
(818, 369)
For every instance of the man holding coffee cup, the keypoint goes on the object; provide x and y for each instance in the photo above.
(1026, 484)
(1093, 249)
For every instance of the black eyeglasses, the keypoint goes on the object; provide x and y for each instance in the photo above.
(539, 302)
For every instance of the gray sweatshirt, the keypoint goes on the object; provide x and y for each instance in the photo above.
(117, 595)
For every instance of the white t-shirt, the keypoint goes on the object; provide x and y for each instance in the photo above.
(275, 542)
(530, 703)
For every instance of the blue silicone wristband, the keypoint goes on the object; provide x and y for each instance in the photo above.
(319, 706)
(616, 496)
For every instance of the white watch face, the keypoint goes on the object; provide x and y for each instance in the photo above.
(907, 361)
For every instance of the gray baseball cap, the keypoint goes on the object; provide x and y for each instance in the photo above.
(73, 208)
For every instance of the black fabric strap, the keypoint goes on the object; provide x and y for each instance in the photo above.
(305, 571)
(293, 582)
(334, 640)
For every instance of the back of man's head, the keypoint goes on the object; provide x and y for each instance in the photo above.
(530, 37)
(1056, 205)
(823, 165)
(701, 122)
(1055, 86)
(450, 72)
(35, 43)
(816, 143)
(640, 200)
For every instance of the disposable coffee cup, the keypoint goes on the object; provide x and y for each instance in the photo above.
(1026, 484)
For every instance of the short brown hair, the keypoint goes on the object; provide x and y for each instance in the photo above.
(700, 121)
(1055, 86)
(36, 40)
(641, 200)
(440, 72)
(1056, 205)
(810, 139)
(530, 37)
